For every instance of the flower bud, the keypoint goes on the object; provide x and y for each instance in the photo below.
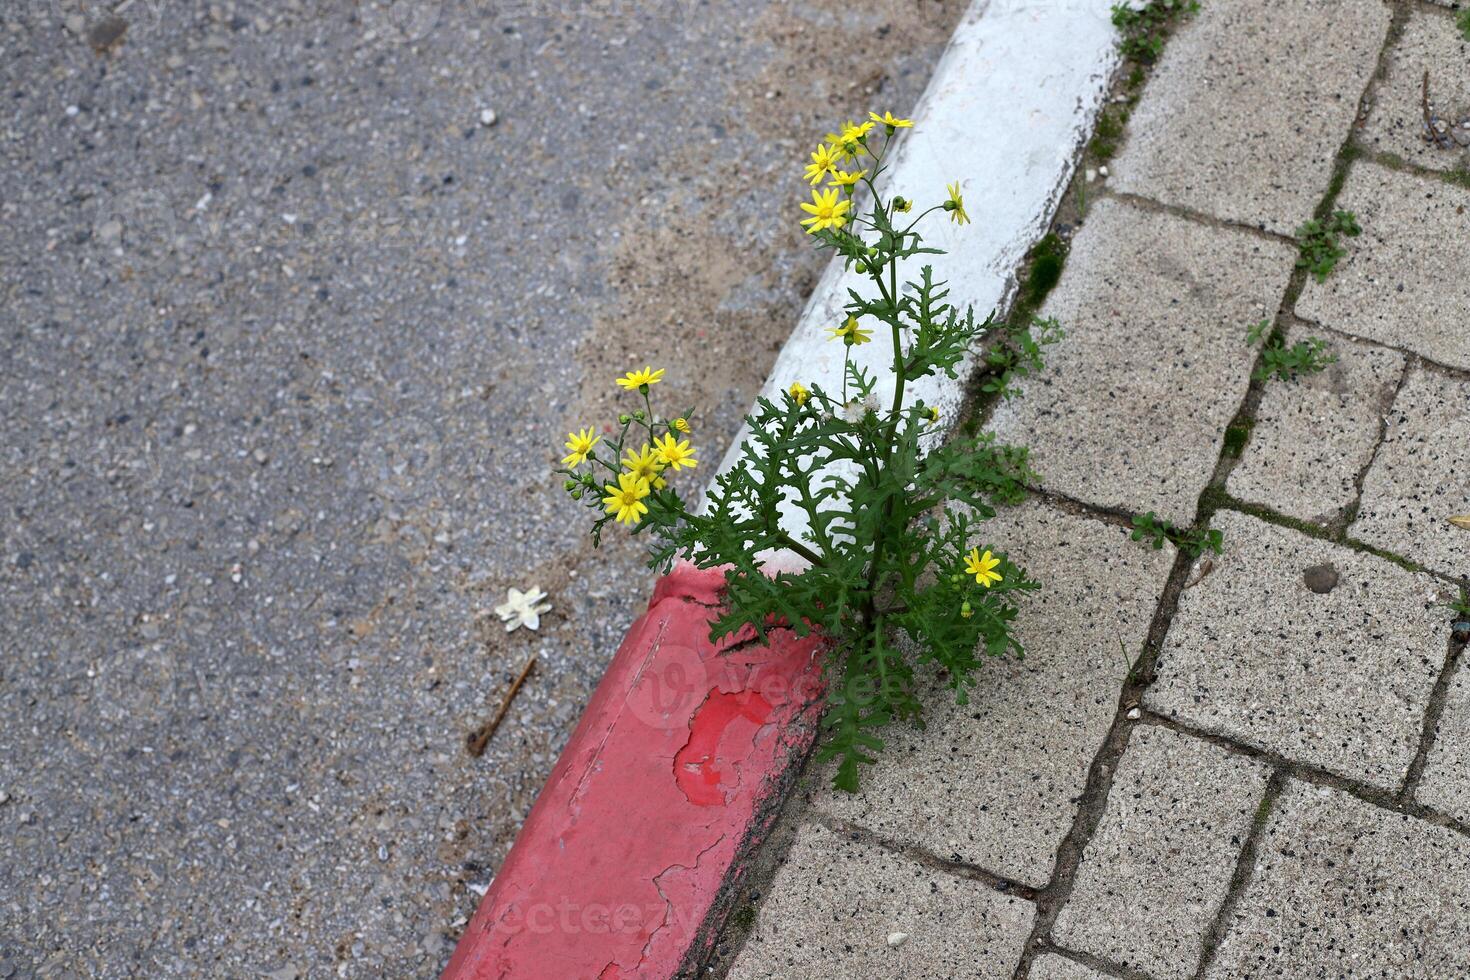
(577, 494)
(624, 418)
(965, 610)
(569, 485)
(638, 415)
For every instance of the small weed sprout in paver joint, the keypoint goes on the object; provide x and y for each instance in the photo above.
(1320, 248)
(1145, 27)
(893, 544)
(1462, 21)
(1279, 361)
(1156, 531)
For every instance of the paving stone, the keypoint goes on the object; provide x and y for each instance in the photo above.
(1421, 476)
(1132, 406)
(1338, 679)
(1315, 434)
(1446, 782)
(1344, 888)
(1177, 816)
(995, 783)
(1054, 967)
(838, 901)
(1249, 106)
(1403, 280)
(1430, 42)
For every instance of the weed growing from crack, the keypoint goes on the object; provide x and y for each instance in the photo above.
(1155, 530)
(1462, 21)
(1145, 28)
(1285, 363)
(1319, 242)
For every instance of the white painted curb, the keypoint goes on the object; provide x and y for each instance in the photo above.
(1013, 97)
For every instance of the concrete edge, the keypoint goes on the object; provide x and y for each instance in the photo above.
(680, 762)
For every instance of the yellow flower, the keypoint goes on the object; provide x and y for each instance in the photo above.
(675, 455)
(956, 205)
(826, 211)
(889, 121)
(903, 204)
(580, 444)
(841, 178)
(682, 424)
(799, 392)
(933, 413)
(626, 499)
(637, 379)
(848, 143)
(645, 465)
(982, 567)
(824, 158)
(851, 332)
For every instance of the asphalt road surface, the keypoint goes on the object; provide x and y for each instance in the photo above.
(299, 301)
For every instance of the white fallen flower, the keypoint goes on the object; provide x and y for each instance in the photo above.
(522, 609)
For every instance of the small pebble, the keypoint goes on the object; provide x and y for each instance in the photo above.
(1103, 170)
(1091, 174)
(1134, 714)
(488, 117)
(897, 938)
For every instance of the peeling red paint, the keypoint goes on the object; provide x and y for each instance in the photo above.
(702, 768)
(622, 856)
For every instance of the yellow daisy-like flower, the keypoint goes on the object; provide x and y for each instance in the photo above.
(956, 205)
(626, 499)
(637, 379)
(682, 424)
(851, 332)
(841, 178)
(646, 465)
(580, 444)
(799, 392)
(849, 142)
(933, 413)
(826, 211)
(888, 119)
(824, 158)
(675, 455)
(982, 567)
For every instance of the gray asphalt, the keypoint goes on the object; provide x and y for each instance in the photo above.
(298, 301)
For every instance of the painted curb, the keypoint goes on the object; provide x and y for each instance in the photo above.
(678, 765)
(669, 777)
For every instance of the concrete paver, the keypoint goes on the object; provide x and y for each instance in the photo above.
(1445, 784)
(1430, 42)
(1338, 679)
(1156, 308)
(1403, 281)
(1314, 434)
(1054, 967)
(1421, 476)
(960, 788)
(1249, 105)
(1345, 888)
(839, 901)
(1177, 816)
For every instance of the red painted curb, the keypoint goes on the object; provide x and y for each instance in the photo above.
(662, 787)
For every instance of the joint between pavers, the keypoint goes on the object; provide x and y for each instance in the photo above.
(1240, 878)
(1145, 203)
(922, 856)
(1433, 712)
(1314, 775)
(1093, 962)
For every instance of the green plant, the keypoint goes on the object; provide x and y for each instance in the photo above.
(890, 536)
(1144, 27)
(1462, 21)
(1279, 361)
(1018, 354)
(1150, 527)
(1319, 244)
(1110, 123)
